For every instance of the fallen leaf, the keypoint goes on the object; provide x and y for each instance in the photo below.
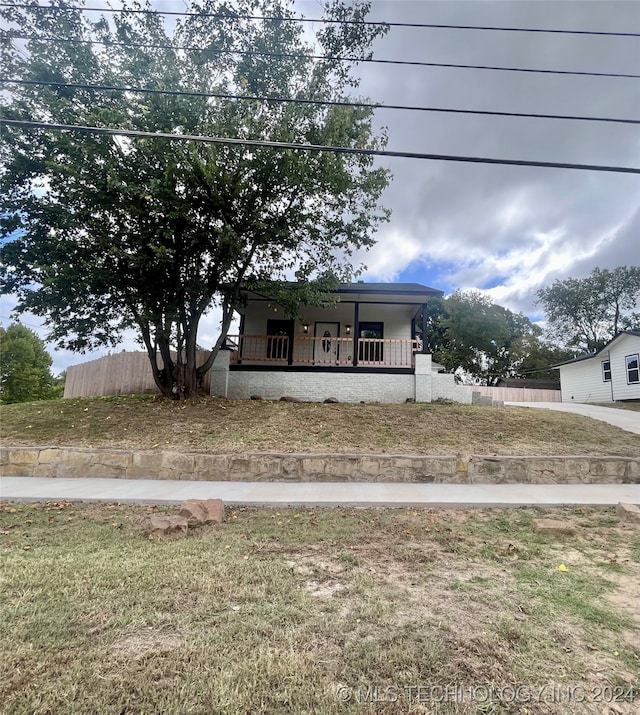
(562, 568)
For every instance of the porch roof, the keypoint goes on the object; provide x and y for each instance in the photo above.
(415, 293)
(413, 290)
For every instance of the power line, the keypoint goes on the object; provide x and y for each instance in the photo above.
(290, 55)
(312, 147)
(322, 102)
(327, 21)
(19, 321)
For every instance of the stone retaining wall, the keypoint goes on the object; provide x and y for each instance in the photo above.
(476, 469)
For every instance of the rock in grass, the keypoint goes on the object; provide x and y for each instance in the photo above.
(194, 511)
(214, 510)
(203, 511)
(161, 527)
(553, 527)
(288, 398)
(628, 512)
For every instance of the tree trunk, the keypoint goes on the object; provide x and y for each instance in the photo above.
(169, 382)
(191, 386)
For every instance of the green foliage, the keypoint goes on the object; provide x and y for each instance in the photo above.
(468, 333)
(109, 233)
(24, 366)
(586, 313)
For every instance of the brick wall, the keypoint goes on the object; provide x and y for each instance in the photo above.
(317, 386)
(385, 387)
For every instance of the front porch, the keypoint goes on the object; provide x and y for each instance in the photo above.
(364, 345)
(325, 351)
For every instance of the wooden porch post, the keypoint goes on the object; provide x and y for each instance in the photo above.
(424, 328)
(241, 339)
(291, 336)
(356, 331)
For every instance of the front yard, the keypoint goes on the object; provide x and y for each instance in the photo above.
(326, 611)
(217, 425)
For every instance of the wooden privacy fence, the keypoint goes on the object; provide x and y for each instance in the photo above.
(120, 374)
(519, 394)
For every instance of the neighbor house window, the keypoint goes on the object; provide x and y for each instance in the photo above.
(633, 373)
(606, 370)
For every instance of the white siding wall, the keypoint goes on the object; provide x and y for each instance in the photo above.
(582, 381)
(625, 345)
(396, 318)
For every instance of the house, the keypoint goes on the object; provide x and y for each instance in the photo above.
(608, 375)
(366, 346)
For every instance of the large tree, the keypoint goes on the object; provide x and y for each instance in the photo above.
(24, 366)
(104, 233)
(585, 313)
(471, 335)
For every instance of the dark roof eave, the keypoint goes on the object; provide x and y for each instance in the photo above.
(580, 358)
(412, 289)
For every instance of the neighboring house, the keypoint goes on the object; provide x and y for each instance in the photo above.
(608, 375)
(366, 347)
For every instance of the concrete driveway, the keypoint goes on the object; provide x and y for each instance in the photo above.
(625, 419)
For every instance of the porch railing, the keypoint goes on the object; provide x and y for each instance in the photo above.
(307, 350)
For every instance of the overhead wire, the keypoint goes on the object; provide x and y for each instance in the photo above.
(313, 147)
(300, 100)
(331, 58)
(21, 322)
(328, 21)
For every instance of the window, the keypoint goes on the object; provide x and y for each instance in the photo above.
(280, 334)
(606, 370)
(370, 351)
(633, 373)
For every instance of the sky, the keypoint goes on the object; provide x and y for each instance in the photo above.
(505, 230)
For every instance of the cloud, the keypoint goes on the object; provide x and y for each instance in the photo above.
(506, 230)
(512, 229)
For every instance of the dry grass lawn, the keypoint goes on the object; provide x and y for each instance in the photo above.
(217, 425)
(328, 611)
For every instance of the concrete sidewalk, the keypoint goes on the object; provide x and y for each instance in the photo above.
(151, 491)
(628, 420)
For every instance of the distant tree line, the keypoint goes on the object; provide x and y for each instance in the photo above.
(25, 367)
(585, 313)
(483, 341)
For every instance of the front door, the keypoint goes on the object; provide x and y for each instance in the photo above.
(326, 346)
